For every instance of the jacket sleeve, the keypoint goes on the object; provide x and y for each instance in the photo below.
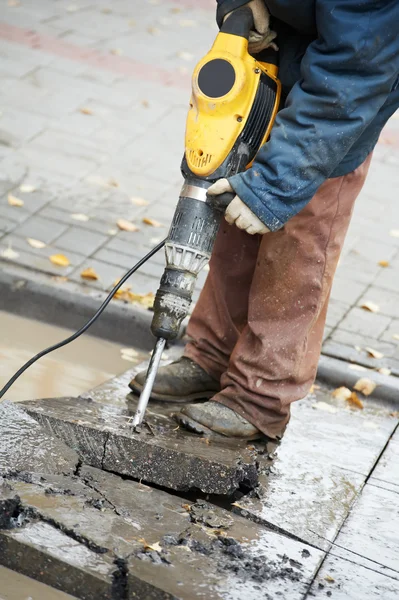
(226, 6)
(347, 74)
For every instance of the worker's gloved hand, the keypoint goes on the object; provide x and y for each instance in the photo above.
(237, 212)
(262, 37)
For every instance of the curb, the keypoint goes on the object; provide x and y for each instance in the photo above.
(337, 373)
(36, 295)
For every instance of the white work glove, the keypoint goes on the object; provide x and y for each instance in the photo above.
(262, 37)
(237, 212)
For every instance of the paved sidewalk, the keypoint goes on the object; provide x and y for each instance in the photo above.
(93, 104)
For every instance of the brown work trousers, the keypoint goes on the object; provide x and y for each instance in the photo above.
(258, 324)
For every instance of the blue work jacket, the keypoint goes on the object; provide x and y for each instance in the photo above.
(339, 69)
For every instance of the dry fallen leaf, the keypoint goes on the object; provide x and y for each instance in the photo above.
(383, 263)
(153, 30)
(145, 103)
(125, 225)
(13, 2)
(329, 578)
(112, 232)
(385, 371)
(155, 547)
(117, 51)
(9, 253)
(370, 306)
(106, 11)
(89, 273)
(186, 507)
(365, 386)
(60, 260)
(14, 201)
(341, 393)
(186, 23)
(175, 10)
(86, 111)
(112, 182)
(132, 23)
(325, 407)
(26, 188)
(374, 353)
(394, 233)
(356, 367)
(355, 400)
(139, 201)
(185, 55)
(79, 217)
(72, 8)
(152, 222)
(35, 243)
(395, 336)
(146, 300)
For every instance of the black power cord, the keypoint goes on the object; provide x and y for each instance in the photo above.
(85, 327)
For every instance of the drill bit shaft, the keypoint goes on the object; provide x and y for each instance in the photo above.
(149, 382)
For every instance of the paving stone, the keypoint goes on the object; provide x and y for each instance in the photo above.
(360, 357)
(369, 532)
(52, 557)
(387, 301)
(6, 225)
(359, 320)
(348, 338)
(41, 229)
(309, 488)
(336, 312)
(390, 332)
(124, 260)
(178, 460)
(347, 290)
(388, 279)
(108, 274)
(64, 216)
(33, 201)
(18, 126)
(25, 446)
(12, 171)
(346, 580)
(82, 241)
(386, 472)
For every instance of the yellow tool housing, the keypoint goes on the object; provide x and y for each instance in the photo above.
(232, 93)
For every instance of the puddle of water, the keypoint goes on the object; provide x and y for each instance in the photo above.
(74, 369)
(14, 586)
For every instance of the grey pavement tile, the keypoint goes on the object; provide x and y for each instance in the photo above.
(347, 290)
(41, 229)
(71, 168)
(34, 201)
(327, 332)
(6, 225)
(336, 312)
(18, 126)
(21, 245)
(344, 579)
(94, 24)
(109, 274)
(127, 261)
(362, 340)
(387, 301)
(391, 333)
(33, 261)
(64, 216)
(68, 144)
(359, 321)
(121, 244)
(387, 469)
(13, 213)
(388, 279)
(12, 172)
(371, 250)
(357, 268)
(80, 240)
(369, 531)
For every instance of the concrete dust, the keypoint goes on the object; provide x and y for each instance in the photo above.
(74, 369)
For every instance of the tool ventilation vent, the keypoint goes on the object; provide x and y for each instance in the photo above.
(260, 115)
(197, 160)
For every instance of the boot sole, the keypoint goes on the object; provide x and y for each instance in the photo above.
(137, 388)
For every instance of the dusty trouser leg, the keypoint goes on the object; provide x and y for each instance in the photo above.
(275, 357)
(221, 312)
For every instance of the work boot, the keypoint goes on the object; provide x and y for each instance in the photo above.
(215, 417)
(181, 381)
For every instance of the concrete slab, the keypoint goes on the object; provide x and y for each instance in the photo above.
(369, 535)
(386, 473)
(50, 556)
(320, 467)
(163, 454)
(26, 446)
(346, 580)
(145, 543)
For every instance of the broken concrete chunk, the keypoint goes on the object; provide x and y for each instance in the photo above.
(26, 446)
(162, 455)
(42, 552)
(9, 503)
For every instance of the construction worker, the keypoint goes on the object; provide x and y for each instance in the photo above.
(256, 331)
